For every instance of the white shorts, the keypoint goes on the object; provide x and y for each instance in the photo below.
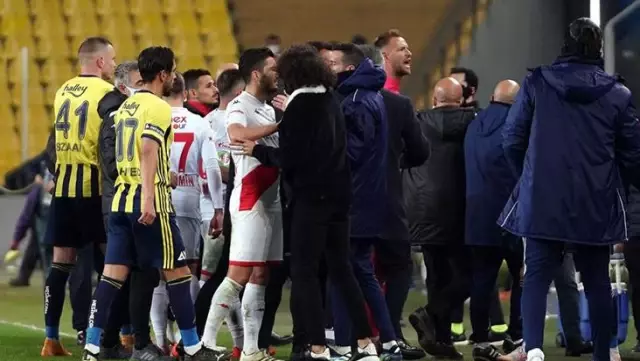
(190, 232)
(256, 238)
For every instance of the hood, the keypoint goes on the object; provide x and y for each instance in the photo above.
(577, 80)
(110, 102)
(366, 76)
(450, 123)
(492, 118)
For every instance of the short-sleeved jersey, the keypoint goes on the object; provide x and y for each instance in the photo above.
(253, 180)
(143, 115)
(192, 138)
(77, 125)
(216, 121)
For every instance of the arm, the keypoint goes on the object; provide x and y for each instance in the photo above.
(628, 145)
(212, 169)
(108, 148)
(149, 167)
(238, 131)
(267, 155)
(416, 146)
(26, 216)
(50, 159)
(515, 135)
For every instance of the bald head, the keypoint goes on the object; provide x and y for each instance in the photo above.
(505, 91)
(226, 66)
(447, 92)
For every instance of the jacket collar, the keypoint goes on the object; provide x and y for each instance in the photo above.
(316, 89)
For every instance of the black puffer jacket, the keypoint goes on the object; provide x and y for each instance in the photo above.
(435, 191)
(633, 212)
(107, 143)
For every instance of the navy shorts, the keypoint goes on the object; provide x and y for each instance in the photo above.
(158, 245)
(76, 222)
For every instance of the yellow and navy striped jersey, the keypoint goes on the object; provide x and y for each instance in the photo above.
(77, 125)
(143, 115)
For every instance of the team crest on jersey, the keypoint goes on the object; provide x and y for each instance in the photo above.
(75, 90)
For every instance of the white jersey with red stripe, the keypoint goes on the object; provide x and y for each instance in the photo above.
(193, 138)
(255, 185)
(216, 121)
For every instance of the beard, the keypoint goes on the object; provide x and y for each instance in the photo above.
(166, 88)
(268, 86)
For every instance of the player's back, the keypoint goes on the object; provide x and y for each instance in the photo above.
(253, 181)
(143, 115)
(189, 131)
(77, 125)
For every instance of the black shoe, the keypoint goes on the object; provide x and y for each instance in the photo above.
(117, 352)
(18, 282)
(277, 340)
(88, 356)
(149, 353)
(485, 352)
(636, 348)
(578, 349)
(424, 325)
(410, 352)
(497, 336)
(458, 337)
(509, 344)
(81, 338)
(446, 352)
(207, 354)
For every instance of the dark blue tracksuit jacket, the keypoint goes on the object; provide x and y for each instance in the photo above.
(366, 120)
(572, 136)
(489, 177)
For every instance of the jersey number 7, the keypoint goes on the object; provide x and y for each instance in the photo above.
(187, 139)
(62, 118)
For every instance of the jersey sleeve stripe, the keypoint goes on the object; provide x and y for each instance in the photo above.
(152, 137)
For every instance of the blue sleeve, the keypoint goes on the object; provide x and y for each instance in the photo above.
(515, 134)
(628, 145)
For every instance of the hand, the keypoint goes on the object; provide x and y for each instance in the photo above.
(215, 226)
(174, 179)
(148, 212)
(280, 102)
(49, 187)
(11, 256)
(38, 179)
(242, 147)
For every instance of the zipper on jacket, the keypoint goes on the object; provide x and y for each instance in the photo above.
(509, 214)
(624, 215)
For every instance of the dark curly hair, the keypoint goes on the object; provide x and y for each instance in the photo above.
(300, 66)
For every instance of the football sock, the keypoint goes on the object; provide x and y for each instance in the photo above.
(235, 325)
(457, 328)
(499, 328)
(182, 305)
(195, 288)
(54, 293)
(226, 295)
(105, 293)
(252, 312)
(159, 306)
(142, 282)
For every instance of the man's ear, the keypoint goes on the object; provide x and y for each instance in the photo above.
(123, 89)
(493, 98)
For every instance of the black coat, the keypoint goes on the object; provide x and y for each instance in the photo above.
(633, 213)
(107, 145)
(407, 147)
(435, 191)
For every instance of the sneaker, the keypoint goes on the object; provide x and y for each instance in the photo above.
(424, 325)
(485, 352)
(410, 352)
(509, 345)
(88, 356)
(442, 351)
(208, 354)
(458, 337)
(368, 353)
(81, 338)
(17, 282)
(577, 349)
(392, 354)
(535, 355)
(149, 353)
(117, 352)
(53, 347)
(497, 336)
(262, 355)
(277, 340)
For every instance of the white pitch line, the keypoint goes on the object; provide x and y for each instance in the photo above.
(32, 327)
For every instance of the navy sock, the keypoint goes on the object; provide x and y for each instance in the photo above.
(54, 293)
(182, 306)
(103, 297)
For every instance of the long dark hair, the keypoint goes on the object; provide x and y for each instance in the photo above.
(300, 66)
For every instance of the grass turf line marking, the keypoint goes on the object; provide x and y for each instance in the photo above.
(32, 328)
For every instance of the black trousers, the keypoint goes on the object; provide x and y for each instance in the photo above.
(486, 262)
(89, 260)
(632, 261)
(29, 260)
(448, 282)
(321, 229)
(393, 263)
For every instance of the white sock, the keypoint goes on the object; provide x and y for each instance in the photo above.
(235, 325)
(252, 312)
(159, 306)
(226, 295)
(370, 349)
(195, 288)
(389, 345)
(324, 355)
